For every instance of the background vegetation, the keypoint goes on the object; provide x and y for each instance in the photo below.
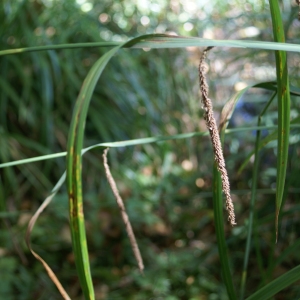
(167, 186)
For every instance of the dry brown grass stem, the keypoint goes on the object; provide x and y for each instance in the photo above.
(28, 242)
(215, 138)
(125, 218)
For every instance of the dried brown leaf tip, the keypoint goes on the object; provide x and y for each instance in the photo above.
(215, 138)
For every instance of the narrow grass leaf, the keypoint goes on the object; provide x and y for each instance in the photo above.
(142, 141)
(156, 41)
(272, 86)
(253, 200)
(230, 104)
(74, 180)
(283, 107)
(229, 107)
(58, 47)
(219, 227)
(271, 137)
(277, 285)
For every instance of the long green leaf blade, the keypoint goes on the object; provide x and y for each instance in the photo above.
(142, 141)
(277, 285)
(252, 201)
(74, 180)
(219, 226)
(226, 114)
(283, 107)
(155, 41)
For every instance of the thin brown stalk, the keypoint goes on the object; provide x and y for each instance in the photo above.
(28, 242)
(215, 138)
(125, 218)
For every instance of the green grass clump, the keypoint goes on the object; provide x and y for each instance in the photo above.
(140, 97)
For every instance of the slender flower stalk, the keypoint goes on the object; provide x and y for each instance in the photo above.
(128, 227)
(215, 137)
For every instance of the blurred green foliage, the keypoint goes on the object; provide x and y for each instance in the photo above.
(166, 186)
